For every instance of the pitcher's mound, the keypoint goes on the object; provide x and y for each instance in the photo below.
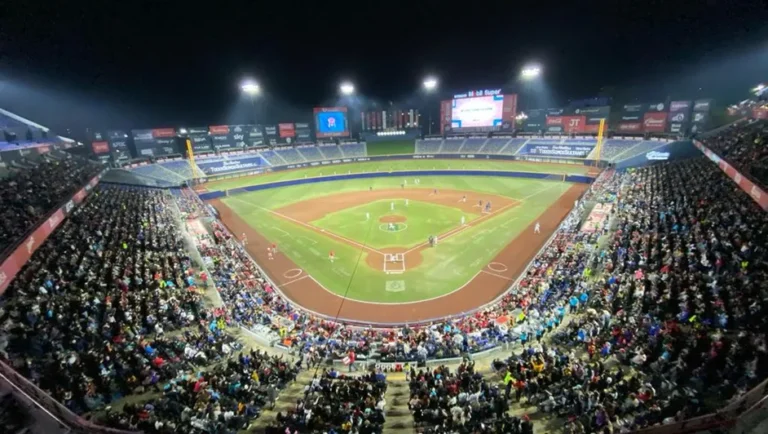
(393, 219)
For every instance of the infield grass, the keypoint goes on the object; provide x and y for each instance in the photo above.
(444, 268)
(422, 219)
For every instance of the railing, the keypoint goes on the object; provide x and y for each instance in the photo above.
(28, 392)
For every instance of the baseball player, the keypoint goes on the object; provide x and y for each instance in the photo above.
(270, 255)
(464, 198)
(391, 206)
(244, 239)
(331, 256)
(462, 220)
(406, 202)
(537, 228)
(367, 216)
(274, 248)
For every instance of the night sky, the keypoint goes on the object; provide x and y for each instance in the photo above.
(125, 64)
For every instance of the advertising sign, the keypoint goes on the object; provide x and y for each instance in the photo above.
(118, 144)
(633, 112)
(287, 130)
(567, 124)
(230, 165)
(655, 122)
(702, 105)
(680, 106)
(218, 130)
(594, 114)
(445, 115)
(631, 127)
(100, 147)
(656, 107)
(556, 150)
(201, 143)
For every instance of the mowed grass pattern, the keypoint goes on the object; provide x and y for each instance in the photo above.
(422, 220)
(444, 268)
(397, 165)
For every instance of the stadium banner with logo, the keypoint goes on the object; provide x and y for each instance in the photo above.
(155, 142)
(566, 124)
(198, 137)
(633, 113)
(535, 120)
(256, 135)
(303, 133)
(271, 132)
(655, 122)
(446, 114)
(287, 130)
(701, 118)
(679, 116)
(630, 127)
(118, 145)
(232, 164)
(656, 107)
(100, 148)
(238, 135)
(594, 114)
(220, 137)
(680, 106)
(558, 150)
(508, 111)
(703, 105)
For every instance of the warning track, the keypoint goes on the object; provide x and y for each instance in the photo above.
(483, 288)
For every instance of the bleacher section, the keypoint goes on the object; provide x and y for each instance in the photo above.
(428, 146)
(182, 168)
(353, 150)
(290, 155)
(473, 145)
(451, 146)
(494, 145)
(310, 153)
(331, 152)
(513, 146)
(640, 148)
(614, 147)
(272, 158)
(156, 171)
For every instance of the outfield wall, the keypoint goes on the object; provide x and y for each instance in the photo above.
(265, 169)
(397, 174)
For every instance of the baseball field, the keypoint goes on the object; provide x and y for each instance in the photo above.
(359, 249)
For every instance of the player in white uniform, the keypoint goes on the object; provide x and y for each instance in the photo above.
(406, 202)
(244, 239)
(462, 220)
(367, 216)
(391, 206)
(537, 228)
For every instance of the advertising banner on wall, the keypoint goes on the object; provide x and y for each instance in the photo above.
(509, 112)
(100, 148)
(701, 118)
(220, 137)
(593, 115)
(633, 113)
(655, 122)
(155, 142)
(198, 136)
(630, 127)
(303, 133)
(566, 124)
(331, 122)
(656, 107)
(256, 135)
(535, 121)
(271, 132)
(679, 116)
(286, 130)
(239, 135)
(118, 145)
(446, 115)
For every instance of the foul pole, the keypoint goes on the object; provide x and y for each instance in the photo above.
(192, 165)
(600, 131)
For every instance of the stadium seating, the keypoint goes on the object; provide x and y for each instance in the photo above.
(331, 152)
(182, 168)
(27, 196)
(353, 150)
(494, 145)
(745, 146)
(272, 157)
(641, 148)
(310, 153)
(428, 146)
(613, 148)
(290, 155)
(451, 146)
(158, 172)
(513, 146)
(473, 145)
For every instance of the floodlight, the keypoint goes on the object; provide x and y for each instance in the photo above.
(530, 71)
(430, 83)
(347, 88)
(250, 87)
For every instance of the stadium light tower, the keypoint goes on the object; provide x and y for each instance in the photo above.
(530, 72)
(346, 88)
(250, 88)
(430, 83)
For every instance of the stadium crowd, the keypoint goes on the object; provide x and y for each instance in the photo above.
(746, 147)
(28, 195)
(667, 296)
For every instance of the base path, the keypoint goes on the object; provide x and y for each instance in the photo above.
(487, 285)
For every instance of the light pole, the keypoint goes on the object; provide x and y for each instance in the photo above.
(346, 88)
(530, 71)
(252, 89)
(430, 85)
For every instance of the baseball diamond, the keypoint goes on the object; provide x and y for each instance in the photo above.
(384, 270)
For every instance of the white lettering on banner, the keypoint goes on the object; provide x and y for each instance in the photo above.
(69, 206)
(30, 243)
(679, 117)
(737, 178)
(755, 192)
(657, 156)
(476, 93)
(652, 122)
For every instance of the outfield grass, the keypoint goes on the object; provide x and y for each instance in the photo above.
(423, 219)
(444, 268)
(397, 165)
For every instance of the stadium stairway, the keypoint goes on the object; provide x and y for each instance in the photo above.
(397, 416)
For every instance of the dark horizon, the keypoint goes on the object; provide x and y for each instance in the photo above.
(147, 65)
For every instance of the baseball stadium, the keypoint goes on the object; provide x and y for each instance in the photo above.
(447, 261)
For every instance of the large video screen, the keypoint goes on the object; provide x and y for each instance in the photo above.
(481, 111)
(331, 122)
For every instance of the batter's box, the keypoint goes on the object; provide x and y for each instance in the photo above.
(395, 286)
(394, 263)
